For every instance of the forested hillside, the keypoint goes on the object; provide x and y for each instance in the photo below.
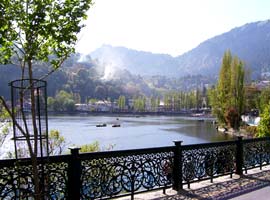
(91, 79)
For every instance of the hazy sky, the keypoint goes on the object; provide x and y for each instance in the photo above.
(165, 26)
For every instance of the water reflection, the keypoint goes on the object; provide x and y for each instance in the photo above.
(135, 132)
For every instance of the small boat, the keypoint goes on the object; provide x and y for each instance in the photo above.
(101, 125)
(116, 125)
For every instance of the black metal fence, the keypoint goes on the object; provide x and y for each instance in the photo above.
(104, 175)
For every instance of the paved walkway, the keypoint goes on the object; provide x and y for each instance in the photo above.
(254, 185)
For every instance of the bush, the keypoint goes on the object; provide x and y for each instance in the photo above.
(264, 124)
(252, 130)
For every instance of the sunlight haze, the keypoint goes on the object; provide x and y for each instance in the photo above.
(171, 27)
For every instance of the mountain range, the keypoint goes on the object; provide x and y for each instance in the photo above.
(250, 42)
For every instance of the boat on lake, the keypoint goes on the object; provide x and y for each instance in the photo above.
(101, 125)
(116, 125)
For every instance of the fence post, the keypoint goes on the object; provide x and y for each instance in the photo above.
(177, 167)
(239, 156)
(74, 175)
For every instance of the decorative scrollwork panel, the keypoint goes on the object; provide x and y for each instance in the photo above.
(256, 153)
(16, 182)
(8, 177)
(58, 180)
(107, 177)
(207, 162)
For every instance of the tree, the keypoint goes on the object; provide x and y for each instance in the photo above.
(253, 98)
(57, 142)
(154, 104)
(264, 124)
(121, 102)
(223, 90)
(93, 147)
(4, 125)
(33, 32)
(227, 98)
(263, 99)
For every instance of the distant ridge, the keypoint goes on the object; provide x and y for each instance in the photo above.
(250, 42)
(137, 62)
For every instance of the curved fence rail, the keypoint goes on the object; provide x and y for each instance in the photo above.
(106, 175)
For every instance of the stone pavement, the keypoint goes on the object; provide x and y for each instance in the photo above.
(254, 185)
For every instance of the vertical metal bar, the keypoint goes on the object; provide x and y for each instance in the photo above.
(74, 175)
(46, 118)
(239, 156)
(261, 154)
(177, 167)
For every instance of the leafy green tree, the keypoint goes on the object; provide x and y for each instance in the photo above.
(4, 125)
(33, 32)
(167, 102)
(154, 104)
(140, 104)
(228, 96)
(264, 124)
(252, 98)
(121, 102)
(93, 147)
(51, 103)
(100, 92)
(263, 99)
(63, 101)
(237, 85)
(57, 143)
(223, 90)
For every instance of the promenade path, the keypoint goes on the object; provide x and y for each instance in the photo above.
(253, 185)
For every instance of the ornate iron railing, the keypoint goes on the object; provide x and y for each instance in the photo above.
(11, 171)
(206, 161)
(105, 175)
(125, 172)
(256, 153)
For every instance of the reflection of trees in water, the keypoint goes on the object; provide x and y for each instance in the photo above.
(201, 129)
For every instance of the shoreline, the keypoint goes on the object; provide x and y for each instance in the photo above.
(139, 114)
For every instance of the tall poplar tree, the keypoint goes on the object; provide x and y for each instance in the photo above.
(220, 96)
(227, 98)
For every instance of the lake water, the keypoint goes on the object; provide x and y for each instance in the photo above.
(135, 132)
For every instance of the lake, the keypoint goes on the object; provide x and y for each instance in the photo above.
(135, 132)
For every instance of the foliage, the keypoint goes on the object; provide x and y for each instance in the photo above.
(40, 30)
(93, 147)
(264, 124)
(252, 98)
(57, 143)
(35, 32)
(154, 103)
(139, 104)
(121, 102)
(62, 102)
(263, 98)
(4, 125)
(229, 92)
(252, 130)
